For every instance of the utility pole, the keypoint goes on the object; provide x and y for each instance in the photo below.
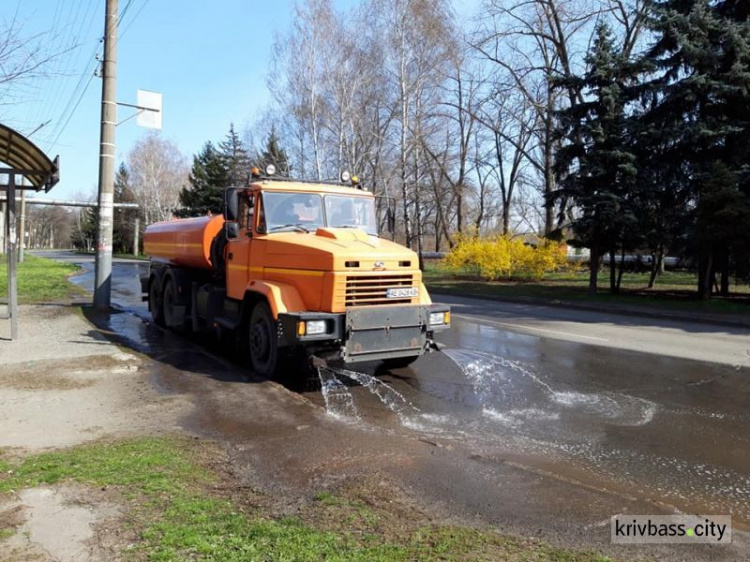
(107, 152)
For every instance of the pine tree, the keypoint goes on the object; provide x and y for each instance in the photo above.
(209, 177)
(89, 229)
(701, 61)
(236, 158)
(273, 153)
(596, 166)
(124, 219)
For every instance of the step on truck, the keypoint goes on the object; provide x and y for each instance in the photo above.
(293, 266)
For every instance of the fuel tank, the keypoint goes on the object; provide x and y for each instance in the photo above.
(183, 242)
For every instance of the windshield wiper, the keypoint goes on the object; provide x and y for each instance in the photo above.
(296, 226)
(357, 227)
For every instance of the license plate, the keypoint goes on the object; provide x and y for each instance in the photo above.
(403, 293)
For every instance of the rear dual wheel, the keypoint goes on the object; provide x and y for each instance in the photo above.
(169, 298)
(156, 301)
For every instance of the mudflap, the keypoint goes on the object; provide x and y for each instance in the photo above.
(374, 333)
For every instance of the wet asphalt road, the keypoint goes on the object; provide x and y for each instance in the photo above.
(539, 421)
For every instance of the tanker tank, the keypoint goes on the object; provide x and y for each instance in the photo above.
(183, 242)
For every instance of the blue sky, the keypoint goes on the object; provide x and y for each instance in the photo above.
(208, 59)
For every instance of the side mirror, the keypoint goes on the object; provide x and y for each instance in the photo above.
(232, 230)
(231, 204)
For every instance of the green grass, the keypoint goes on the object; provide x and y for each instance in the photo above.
(177, 515)
(40, 280)
(673, 290)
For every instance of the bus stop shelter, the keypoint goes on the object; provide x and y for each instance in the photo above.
(23, 166)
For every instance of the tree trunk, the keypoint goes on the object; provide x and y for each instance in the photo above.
(549, 186)
(724, 290)
(460, 209)
(506, 219)
(621, 270)
(593, 271)
(706, 277)
(657, 267)
(612, 273)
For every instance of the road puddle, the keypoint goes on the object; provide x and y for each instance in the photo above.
(488, 400)
(496, 377)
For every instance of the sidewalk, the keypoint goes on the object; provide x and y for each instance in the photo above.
(730, 320)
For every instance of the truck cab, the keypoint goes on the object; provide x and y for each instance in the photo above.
(294, 265)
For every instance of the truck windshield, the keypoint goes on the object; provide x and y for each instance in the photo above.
(351, 212)
(293, 211)
(304, 212)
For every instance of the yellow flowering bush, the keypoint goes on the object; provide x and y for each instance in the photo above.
(502, 257)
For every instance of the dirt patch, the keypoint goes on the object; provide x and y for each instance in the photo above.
(65, 375)
(10, 519)
(38, 515)
(93, 389)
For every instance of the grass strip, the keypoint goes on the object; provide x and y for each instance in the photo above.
(674, 291)
(177, 515)
(40, 280)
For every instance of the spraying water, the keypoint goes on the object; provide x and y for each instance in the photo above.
(484, 369)
(338, 399)
(389, 396)
(492, 376)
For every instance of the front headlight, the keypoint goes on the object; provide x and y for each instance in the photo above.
(316, 327)
(437, 318)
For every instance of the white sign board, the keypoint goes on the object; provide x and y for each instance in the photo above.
(149, 109)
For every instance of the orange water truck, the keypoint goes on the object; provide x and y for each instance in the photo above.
(293, 268)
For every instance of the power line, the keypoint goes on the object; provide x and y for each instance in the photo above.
(66, 43)
(135, 17)
(125, 10)
(72, 112)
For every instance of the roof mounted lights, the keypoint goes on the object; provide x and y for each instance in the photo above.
(270, 170)
(345, 177)
(255, 172)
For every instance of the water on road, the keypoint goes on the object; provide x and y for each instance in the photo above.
(665, 430)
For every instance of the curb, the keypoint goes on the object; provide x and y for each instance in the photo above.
(624, 311)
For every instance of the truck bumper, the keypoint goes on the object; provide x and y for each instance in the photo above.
(368, 333)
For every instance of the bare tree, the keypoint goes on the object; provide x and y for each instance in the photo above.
(22, 57)
(48, 226)
(158, 170)
(533, 44)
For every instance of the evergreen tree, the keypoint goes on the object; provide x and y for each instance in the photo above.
(88, 231)
(236, 158)
(273, 153)
(124, 219)
(701, 85)
(596, 166)
(209, 177)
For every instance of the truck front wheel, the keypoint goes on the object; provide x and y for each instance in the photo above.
(262, 335)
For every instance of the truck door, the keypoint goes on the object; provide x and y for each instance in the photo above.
(238, 249)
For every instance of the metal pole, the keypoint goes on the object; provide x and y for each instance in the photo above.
(22, 227)
(2, 226)
(12, 242)
(103, 262)
(136, 233)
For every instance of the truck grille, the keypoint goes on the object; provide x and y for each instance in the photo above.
(372, 290)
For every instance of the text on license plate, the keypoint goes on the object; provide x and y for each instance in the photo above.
(403, 293)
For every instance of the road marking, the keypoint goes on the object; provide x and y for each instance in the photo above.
(523, 327)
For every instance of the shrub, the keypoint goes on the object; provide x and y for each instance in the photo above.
(502, 257)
